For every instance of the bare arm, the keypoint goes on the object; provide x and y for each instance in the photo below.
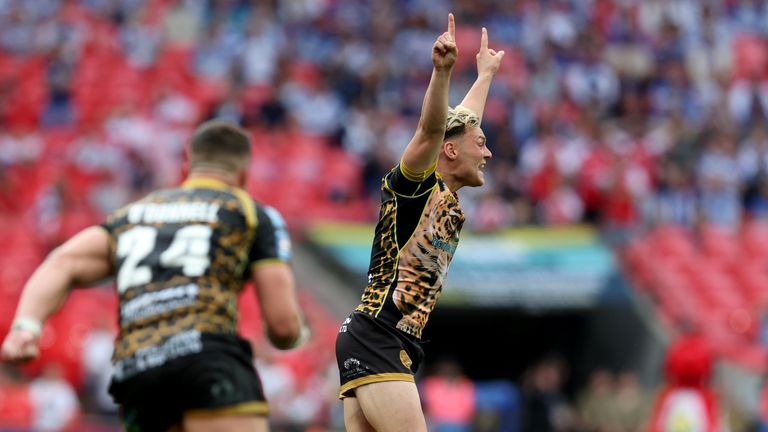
(275, 287)
(82, 260)
(488, 62)
(422, 151)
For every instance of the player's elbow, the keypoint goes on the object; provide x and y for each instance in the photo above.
(60, 261)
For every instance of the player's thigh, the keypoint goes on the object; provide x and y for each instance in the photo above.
(354, 418)
(392, 406)
(232, 423)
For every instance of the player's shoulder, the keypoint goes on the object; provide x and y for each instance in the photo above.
(270, 214)
(404, 184)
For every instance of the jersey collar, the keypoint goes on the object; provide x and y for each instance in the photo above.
(205, 182)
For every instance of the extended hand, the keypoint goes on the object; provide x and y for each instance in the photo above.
(488, 60)
(444, 51)
(20, 346)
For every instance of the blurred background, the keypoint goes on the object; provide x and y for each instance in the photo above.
(613, 272)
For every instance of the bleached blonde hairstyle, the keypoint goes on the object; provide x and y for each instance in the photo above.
(458, 119)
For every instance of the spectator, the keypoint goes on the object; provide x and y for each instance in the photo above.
(278, 382)
(262, 48)
(59, 110)
(631, 404)
(596, 405)
(688, 397)
(449, 398)
(140, 39)
(676, 201)
(718, 173)
(590, 82)
(54, 401)
(97, 365)
(546, 407)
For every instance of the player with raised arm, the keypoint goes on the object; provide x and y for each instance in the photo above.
(378, 346)
(180, 258)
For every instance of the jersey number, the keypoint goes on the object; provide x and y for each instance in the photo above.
(188, 250)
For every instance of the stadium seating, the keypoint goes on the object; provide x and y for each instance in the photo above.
(708, 277)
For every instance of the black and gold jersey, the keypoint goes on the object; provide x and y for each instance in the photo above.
(181, 257)
(415, 239)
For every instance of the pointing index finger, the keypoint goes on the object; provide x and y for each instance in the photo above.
(451, 26)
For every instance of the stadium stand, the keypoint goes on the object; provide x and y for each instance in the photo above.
(645, 118)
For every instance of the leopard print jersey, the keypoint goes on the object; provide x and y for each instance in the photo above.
(416, 237)
(181, 258)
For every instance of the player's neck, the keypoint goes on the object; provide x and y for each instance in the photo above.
(448, 178)
(229, 178)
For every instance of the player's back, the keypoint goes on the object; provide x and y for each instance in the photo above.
(180, 262)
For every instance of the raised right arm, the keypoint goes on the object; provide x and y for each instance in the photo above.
(420, 157)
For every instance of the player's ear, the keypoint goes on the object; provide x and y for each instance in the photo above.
(451, 150)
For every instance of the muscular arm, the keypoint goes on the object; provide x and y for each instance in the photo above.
(488, 62)
(275, 287)
(82, 260)
(422, 151)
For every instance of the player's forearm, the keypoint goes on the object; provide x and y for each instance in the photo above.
(478, 94)
(434, 109)
(424, 148)
(47, 289)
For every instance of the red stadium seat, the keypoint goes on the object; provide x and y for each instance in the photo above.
(16, 409)
(754, 238)
(719, 243)
(672, 240)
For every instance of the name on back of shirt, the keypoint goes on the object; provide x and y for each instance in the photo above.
(174, 213)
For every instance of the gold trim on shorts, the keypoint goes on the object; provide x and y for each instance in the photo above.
(255, 407)
(369, 379)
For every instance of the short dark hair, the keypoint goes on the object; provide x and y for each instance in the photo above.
(454, 131)
(220, 144)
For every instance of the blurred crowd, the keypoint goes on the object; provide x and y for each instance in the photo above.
(544, 399)
(621, 113)
(607, 111)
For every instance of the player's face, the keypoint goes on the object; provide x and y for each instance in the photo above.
(473, 155)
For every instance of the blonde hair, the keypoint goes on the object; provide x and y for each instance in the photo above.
(458, 119)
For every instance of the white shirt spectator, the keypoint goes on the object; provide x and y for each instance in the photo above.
(261, 51)
(97, 362)
(593, 82)
(54, 401)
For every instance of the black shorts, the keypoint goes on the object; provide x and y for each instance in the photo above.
(220, 380)
(369, 351)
